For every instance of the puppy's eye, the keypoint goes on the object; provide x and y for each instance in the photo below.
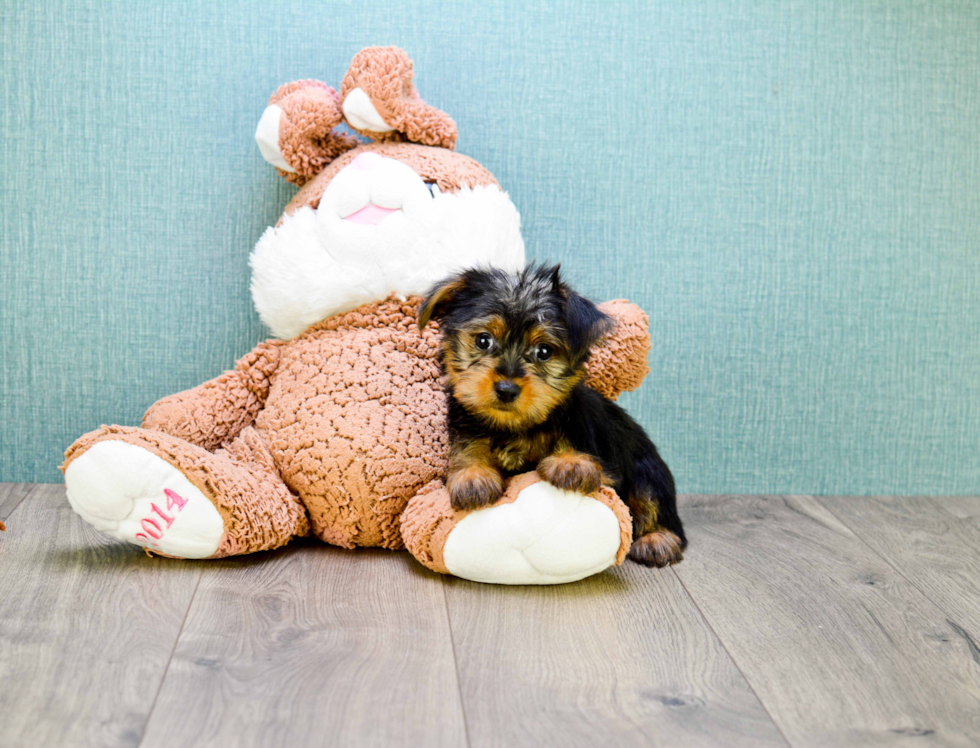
(484, 341)
(543, 352)
(433, 188)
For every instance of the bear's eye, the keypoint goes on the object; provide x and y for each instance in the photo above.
(543, 352)
(433, 188)
(484, 341)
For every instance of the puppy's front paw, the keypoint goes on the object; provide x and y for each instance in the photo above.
(474, 487)
(571, 471)
(660, 548)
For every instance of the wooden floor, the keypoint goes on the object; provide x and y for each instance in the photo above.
(793, 621)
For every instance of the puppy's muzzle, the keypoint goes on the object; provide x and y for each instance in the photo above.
(507, 391)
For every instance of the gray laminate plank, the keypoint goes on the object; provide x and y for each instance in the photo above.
(312, 645)
(933, 542)
(87, 625)
(621, 659)
(840, 648)
(11, 494)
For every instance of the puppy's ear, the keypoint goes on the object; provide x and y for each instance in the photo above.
(439, 298)
(586, 325)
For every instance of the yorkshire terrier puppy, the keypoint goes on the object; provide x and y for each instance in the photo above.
(514, 349)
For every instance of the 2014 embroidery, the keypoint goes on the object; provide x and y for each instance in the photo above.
(152, 530)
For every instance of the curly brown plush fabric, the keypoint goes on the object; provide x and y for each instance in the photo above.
(216, 411)
(385, 75)
(355, 419)
(427, 522)
(622, 358)
(310, 112)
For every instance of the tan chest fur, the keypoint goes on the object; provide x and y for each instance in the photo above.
(523, 451)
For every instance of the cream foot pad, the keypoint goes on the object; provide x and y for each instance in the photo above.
(131, 494)
(545, 536)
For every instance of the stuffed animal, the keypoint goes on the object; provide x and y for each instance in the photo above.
(337, 427)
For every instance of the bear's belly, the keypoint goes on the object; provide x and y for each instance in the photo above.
(356, 421)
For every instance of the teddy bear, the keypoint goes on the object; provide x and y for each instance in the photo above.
(336, 427)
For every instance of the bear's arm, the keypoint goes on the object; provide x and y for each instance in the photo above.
(619, 363)
(216, 411)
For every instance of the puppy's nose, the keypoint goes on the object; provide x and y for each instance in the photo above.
(507, 391)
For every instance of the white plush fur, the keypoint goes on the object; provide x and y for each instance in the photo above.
(316, 264)
(545, 536)
(114, 486)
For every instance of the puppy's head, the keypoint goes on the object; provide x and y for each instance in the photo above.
(514, 346)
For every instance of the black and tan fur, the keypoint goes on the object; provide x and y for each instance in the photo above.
(514, 350)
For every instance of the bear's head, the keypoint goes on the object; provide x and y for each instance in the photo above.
(391, 216)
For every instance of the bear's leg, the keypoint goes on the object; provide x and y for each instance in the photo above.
(535, 534)
(177, 499)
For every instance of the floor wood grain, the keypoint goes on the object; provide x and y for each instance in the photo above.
(934, 543)
(793, 621)
(11, 494)
(623, 659)
(87, 626)
(840, 648)
(313, 645)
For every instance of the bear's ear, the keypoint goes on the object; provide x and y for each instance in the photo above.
(295, 133)
(379, 101)
(440, 298)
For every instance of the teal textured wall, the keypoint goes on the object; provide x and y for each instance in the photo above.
(791, 190)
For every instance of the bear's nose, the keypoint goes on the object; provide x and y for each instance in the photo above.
(366, 161)
(507, 391)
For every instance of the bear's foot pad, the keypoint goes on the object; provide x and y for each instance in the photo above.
(132, 494)
(545, 536)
